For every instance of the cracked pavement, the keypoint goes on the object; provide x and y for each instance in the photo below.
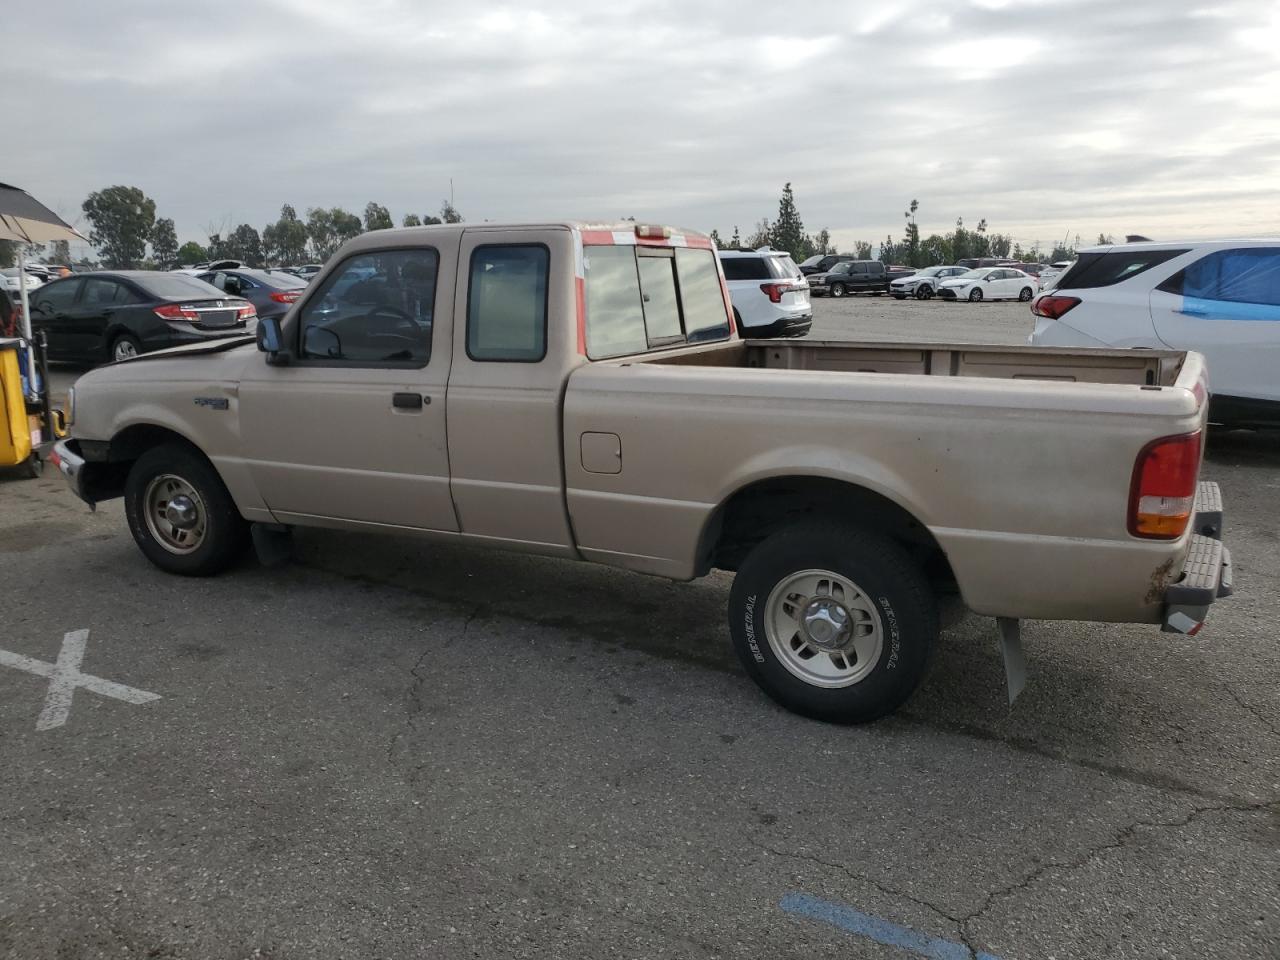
(394, 749)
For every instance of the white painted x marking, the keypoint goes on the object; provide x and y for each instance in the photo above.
(65, 676)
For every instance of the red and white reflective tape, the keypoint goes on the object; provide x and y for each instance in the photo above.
(1182, 623)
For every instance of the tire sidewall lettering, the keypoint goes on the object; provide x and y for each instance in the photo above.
(894, 635)
(749, 625)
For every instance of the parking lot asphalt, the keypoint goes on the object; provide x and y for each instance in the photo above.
(397, 749)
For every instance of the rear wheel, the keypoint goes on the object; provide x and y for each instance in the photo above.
(832, 621)
(180, 514)
(124, 347)
(975, 294)
(837, 289)
(1025, 295)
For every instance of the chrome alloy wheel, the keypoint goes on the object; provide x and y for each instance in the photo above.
(823, 628)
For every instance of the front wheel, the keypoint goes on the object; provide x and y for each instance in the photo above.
(975, 295)
(180, 514)
(1025, 295)
(837, 289)
(832, 621)
(924, 292)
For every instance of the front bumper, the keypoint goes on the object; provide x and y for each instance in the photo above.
(947, 293)
(66, 454)
(1206, 570)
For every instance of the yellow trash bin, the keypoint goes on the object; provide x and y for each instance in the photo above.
(15, 426)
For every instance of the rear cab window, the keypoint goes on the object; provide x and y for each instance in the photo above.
(640, 298)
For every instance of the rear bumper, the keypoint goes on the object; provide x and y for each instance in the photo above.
(1206, 571)
(797, 326)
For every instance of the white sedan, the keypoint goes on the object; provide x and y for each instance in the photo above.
(9, 281)
(990, 283)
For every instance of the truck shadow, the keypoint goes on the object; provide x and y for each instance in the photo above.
(1243, 448)
(1076, 707)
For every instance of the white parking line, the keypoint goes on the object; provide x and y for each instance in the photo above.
(64, 677)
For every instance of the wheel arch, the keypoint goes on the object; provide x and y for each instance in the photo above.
(764, 505)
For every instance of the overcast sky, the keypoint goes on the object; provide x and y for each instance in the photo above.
(1047, 118)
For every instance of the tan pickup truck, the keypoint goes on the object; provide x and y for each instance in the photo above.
(578, 391)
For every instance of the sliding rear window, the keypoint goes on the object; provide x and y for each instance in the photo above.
(642, 298)
(1107, 269)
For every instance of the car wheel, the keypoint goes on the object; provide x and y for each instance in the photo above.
(180, 513)
(899, 296)
(924, 292)
(1026, 294)
(125, 347)
(833, 621)
(837, 289)
(975, 294)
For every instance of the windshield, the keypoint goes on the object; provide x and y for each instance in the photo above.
(842, 267)
(812, 261)
(928, 272)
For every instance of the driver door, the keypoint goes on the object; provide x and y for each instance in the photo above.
(352, 430)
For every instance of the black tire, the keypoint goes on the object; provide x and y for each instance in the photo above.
(1025, 294)
(226, 533)
(121, 345)
(837, 290)
(899, 296)
(33, 467)
(975, 295)
(890, 580)
(924, 292)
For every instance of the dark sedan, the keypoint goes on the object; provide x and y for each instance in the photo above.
(93, 317)
(270, 291)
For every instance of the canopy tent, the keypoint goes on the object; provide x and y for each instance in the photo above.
(25, 219)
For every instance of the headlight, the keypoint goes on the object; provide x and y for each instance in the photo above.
(71, 406)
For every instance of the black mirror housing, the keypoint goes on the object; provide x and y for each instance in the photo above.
(271, 340)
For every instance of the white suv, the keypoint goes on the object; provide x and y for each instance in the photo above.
(770, 295)
(1219, 298)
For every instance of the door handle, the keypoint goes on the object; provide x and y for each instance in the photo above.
(409, 401)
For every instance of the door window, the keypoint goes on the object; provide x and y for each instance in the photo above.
(100, 292)
(1248, 275)
(507, 303)
(374, 309)
(54, 297)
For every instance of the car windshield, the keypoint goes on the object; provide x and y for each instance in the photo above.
(812, 261)
(928, 272)
(177, 286)
(842, 267)
(973, 274)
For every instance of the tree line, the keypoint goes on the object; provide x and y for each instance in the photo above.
(127, 233)
(786, 232)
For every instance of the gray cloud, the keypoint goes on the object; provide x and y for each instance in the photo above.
(1047, 117)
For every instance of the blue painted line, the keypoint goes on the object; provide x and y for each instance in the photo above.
(875, 928)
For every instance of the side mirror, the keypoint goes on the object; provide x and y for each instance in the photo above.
(271, 340)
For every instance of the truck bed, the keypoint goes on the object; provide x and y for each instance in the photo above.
(1133, 367)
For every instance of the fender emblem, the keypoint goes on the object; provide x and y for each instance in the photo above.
(213, 403)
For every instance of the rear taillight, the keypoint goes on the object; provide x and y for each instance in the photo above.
(774, 291)
(247, 312)
(1163, 492)
(287, 296)
(174, 311)
(1053, 306)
